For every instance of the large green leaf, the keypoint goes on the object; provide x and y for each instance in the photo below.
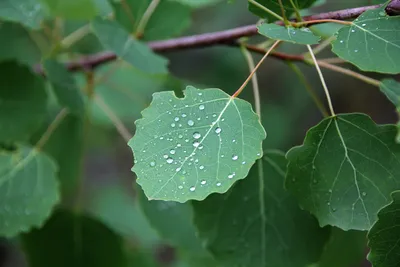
(71, 9)
(371, 42)
(115, 38)
(161, 24)
(28, 189)
(384, 237)
(345, 170)
(23, 102)
(78, 240)
(257, 223)
(187, 148)
(19, 45)
(274, 6)
(31, 13)
(344, 249)
(288, 34)
(64, 86)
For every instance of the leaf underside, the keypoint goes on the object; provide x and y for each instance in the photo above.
(288, 34)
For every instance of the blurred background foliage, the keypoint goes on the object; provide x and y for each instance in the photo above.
(117, 213)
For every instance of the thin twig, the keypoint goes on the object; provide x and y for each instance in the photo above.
(75, 36)
(255, 69)
(146, 17)
(52, 127)
(328, 97)
(285, 20)
(272, 13)
(119, 126)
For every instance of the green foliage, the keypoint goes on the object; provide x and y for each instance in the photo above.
(371, 42)
(288, 34)
(210, 188)
(196, 145)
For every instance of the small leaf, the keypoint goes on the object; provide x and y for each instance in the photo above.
(19, 45)
(269, 225)
(21, 93)
(345, 170)
(64, 86)
(274, 6)
(71, 9)
(70, 239)
(28, 190)
(30, 13)
(191, 147)
(384, 237)
(289, 34)
(372, 42)
(115, 38)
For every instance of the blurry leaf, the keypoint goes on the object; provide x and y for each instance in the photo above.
(22, 102)
(161, 24)
(384, 237)
(289, 34)
(121, 212)
(124, 89)
(103, 7)
(197, 3)
(89, 44)
(17, 44)
(77, 240)
(326, 30)
(64, 86)
(28, 12)
(71, 9)
(270, 227)
(115, 38)
(345, 170)
(274, 6)
(344, 249)
(65, 146)
(28, 190)
(391, 89)
(372, 42)
(187, 148)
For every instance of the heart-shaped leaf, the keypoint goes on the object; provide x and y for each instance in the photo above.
(187, 148)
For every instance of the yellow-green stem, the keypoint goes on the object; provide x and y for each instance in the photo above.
(146, 17)
(272, 13)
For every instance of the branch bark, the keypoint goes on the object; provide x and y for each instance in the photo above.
(227, 37)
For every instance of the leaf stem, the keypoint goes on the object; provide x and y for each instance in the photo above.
(309, 89)
(145, 18)
(285, 20)
(256, 89)
(255, 69)
(75, 36)
(119, 126)
(308, 22)
(272, 13)
(296, 10)
(52, 127)
(328, 97)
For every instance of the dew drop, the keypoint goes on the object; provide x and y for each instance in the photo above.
(172, 125)
(243, 162)
(355, 51)
(230, 176)
(341, 41)
(218, 130)
(180, 187)
(190, 122)
(218, 184)
(214, 115)
(200, 147)
(330, 190)
(165, 156)
(196, 144)
(203, 182)
(180, 136)
(201, 167)
(196, 135)
(364, 25)
(183, 115)
(172, 151)
(200, 94)
(176, 119)
(178, 145)
(170, 160)
(192, 188)
(161, 138)
(177, 169)
(364, 194)
(152, 164)
(353, 30)
(235, 157)
(329, 203)
(201, 107)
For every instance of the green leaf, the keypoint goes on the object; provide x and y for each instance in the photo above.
(30, 13)
(391, 89)
(28, 190)
(257, 223)
(78, 240)
(383, 238)
(345, 249)
(161, 24)
(115, 38)
(71, 9)
(21, 93)
(372, 42)
(187, 148)
(345, 170)
(64, 86)
(289, 34)
(19, 45)
(198, 3)
(274, 6)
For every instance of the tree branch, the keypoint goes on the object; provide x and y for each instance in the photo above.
(227, 37)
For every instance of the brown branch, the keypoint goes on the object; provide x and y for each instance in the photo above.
(226, 37)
